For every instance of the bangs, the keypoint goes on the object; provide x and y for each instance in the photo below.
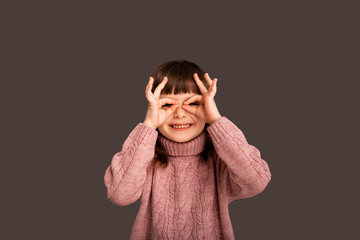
(180, 85)
(180, 77)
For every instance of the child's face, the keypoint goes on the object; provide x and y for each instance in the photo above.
(183, 117)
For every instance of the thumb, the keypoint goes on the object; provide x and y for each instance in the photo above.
(171, 109)
(189, 109)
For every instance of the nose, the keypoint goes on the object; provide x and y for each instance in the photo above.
(179, 112)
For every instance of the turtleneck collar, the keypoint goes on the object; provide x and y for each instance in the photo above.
(189, 148)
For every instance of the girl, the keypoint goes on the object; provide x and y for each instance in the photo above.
(185, 161)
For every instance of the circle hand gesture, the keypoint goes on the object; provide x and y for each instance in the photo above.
(207, 110)
(155, 115)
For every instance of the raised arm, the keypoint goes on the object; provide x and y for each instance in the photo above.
(126, 175)
(241, 173)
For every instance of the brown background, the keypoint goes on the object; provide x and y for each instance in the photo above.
(73, 76)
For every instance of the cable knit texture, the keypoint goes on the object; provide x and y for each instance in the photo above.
(189, 198)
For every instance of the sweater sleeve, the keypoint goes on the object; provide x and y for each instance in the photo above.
(126, 175)
(241, 173)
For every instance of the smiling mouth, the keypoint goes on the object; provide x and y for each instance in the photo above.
(181, 126)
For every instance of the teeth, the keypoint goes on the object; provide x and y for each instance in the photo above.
(181, 126)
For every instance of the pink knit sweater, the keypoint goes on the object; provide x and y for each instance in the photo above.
(189, 198)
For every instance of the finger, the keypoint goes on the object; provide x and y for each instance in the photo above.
(160, 87)
(167, 100)
(189, 109)
(194, 98)
(213, 87)
(149, 87)
(171, 109)
(208, 79)
(148, 84)
(201, 86)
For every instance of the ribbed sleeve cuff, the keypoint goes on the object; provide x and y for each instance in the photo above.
(222, 129)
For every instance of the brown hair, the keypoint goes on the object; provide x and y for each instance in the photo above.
(180, 80)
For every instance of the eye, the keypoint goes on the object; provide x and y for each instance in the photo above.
(166, 105)
(195, 104)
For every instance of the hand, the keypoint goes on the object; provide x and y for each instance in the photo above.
(155, 115)
(207, 109)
